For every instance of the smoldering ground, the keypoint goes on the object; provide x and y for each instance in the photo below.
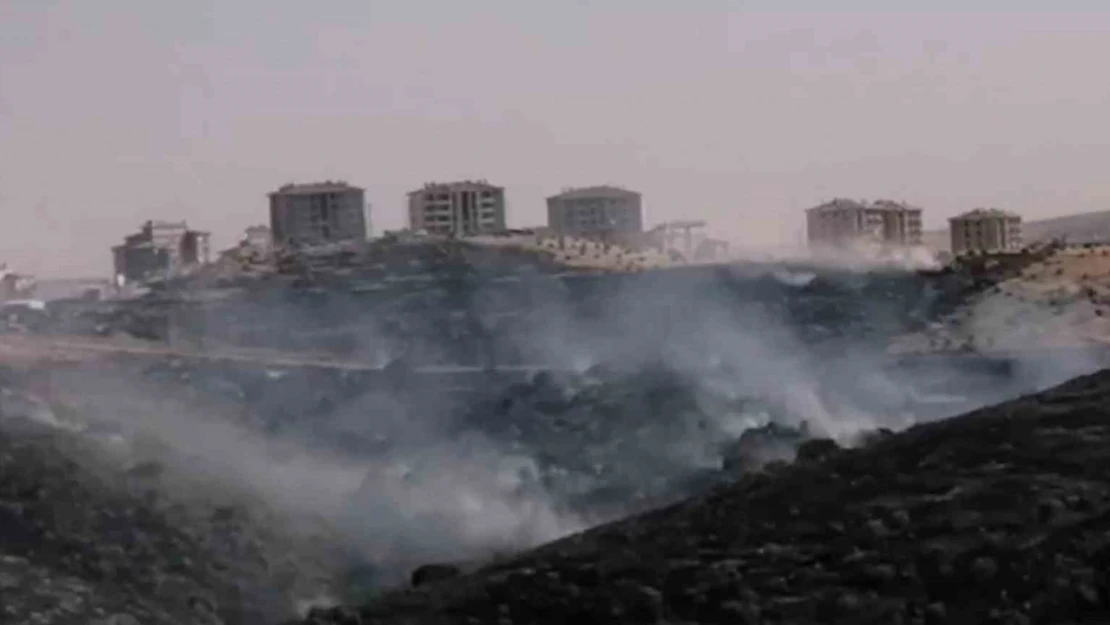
(651, 378)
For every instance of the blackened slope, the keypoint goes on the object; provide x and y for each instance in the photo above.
(414, 309)
(1001, 515)
(77, 545)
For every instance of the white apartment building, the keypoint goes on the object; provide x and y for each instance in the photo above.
(842, 221)
(985, 230)
(459, 209)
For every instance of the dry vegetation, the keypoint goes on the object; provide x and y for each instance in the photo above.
(1061, 300)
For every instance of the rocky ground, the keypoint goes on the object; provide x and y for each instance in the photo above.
(89, 534)
(998, 516)
(1055, 297)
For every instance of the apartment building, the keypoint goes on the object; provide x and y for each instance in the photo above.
(258, 237)
(595, 212)
(318, 213)
(843, 221)
(15, 286)
(460, 209)
(159, 248)
(985, 230)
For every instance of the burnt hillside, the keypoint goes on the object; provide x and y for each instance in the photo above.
(1001, 515)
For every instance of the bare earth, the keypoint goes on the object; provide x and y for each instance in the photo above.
(1061, 302)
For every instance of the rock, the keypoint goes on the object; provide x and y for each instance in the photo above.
(1050, 509)
(816, 450)
(876, 436)
(741, 613)
(882, 573)
(202, 605)
(877, 528)
(1010, 617)
(984, 569)
(146, 470)
(847, 603)
(433, 573)
(643, 604)
(1088, 595)
(900, 519)
(342, 615)
(936, 612)
(118, 619)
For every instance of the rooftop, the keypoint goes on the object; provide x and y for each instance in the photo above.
(310, 188)
(891, 205)
(161, 224)
(838, 204)
(458, 184)
(984, 213)
(594, 191)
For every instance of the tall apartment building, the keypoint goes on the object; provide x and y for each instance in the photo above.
(460, 209)
(597, 211)
(842, 221)
(985, 230)
(317, 213)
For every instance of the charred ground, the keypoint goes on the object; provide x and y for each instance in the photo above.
(136, 535)
(1000, 515)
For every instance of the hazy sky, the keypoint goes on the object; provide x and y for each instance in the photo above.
(115, 111)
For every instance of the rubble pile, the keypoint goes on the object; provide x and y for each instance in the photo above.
(996, 516)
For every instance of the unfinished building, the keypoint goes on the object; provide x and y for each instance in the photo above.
(318, 213)
(459, 209)
(159, 249)
(844, 221)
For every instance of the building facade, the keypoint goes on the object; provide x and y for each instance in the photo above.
(159, 248)
(985, 230)
(304, 215)
(843, 221)
(258, 237)
(458, 209)
(595, 212)
(14, 285)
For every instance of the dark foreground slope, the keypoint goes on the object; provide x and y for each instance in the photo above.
(73, 547)
(88, 536)
(1001, 515)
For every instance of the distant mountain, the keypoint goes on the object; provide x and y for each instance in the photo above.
(1082, 228)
